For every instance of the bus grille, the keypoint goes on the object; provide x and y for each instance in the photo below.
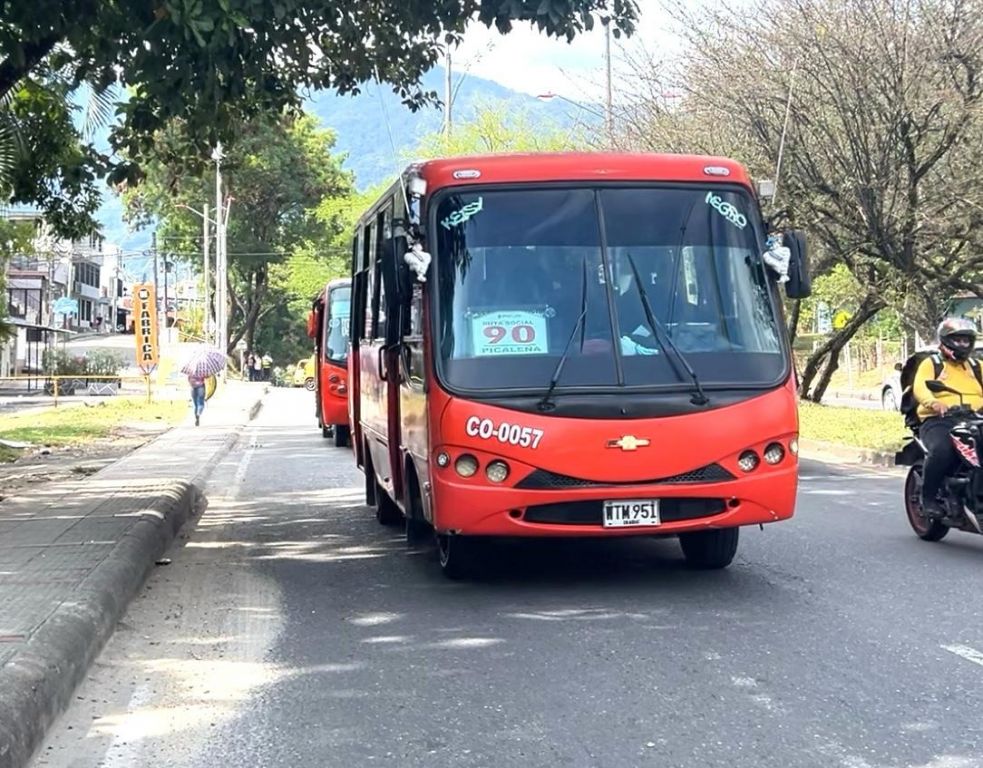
(541, 479)
(592, 512)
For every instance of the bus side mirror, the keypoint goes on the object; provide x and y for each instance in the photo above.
(799, 285)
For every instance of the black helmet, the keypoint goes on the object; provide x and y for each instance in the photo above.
(957, 337)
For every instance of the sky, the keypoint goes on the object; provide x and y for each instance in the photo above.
(526, 60)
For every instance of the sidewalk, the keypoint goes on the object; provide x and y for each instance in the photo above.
(73, 554)
(835, 453)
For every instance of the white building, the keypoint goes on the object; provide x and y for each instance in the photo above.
(85, 271)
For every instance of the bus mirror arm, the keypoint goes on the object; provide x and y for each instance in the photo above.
(404, 363)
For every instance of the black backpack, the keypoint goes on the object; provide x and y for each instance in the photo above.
(909, 405)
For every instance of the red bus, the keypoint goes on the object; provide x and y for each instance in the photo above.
(328, 326)
(595, 348)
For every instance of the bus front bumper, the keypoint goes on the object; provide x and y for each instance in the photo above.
(464, 508)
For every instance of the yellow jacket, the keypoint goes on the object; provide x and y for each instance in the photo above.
(958, 376)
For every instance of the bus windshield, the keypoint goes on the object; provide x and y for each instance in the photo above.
(526, 274)
(336, 322)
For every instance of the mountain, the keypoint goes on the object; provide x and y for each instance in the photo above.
(376, 133)
(363, 122)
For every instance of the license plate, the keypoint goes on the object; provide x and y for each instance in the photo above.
(630, 513)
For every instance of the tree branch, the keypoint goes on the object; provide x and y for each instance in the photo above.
(34, 52)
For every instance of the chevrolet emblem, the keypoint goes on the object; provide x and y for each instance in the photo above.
(629, 443)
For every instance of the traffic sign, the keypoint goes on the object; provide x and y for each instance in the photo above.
(824, 323)
(66, 306)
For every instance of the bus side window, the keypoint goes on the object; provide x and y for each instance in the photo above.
(383, 251)
(368, 242)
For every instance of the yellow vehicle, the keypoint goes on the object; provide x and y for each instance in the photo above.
(304, 374)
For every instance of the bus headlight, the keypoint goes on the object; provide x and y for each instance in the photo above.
(466, 465)
(774, 453)
(497, 471)
(748, 461)
(793, 446)
(443, 459)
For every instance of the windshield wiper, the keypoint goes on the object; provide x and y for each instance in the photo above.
(546, 404)
(658, 330)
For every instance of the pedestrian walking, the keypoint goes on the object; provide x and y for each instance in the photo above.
(257, 368)
(251, 366)
(267, 366)
(197, 384)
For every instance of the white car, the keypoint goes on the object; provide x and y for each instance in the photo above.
(891, 387)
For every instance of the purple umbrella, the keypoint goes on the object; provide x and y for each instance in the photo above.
(204, 361)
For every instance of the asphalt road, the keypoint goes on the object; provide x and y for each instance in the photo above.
(292, 630)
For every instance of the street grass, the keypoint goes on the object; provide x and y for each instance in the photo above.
(873, 430)
(73, 426)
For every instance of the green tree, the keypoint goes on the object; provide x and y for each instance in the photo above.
(46, 159)
(882, 137)
(213, 63)
(498, 127)
(278, 172)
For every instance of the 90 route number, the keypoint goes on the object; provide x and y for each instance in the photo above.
(510, 434)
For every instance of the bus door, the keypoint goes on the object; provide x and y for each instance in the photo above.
(389, 254)
(378, 390)
(314, 323)
(356, 331)
(412, 386)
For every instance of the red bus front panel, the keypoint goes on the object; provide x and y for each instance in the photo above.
(561, 471)
(332, 355)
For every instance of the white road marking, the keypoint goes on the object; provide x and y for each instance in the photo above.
(970, 654)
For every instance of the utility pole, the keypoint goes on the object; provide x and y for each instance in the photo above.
(448, 97)
(115, 289)
(167, 331)
(608, 114)
(71, 289)
(219, 277)
(227, 204)
(208, 311)
(153, 250)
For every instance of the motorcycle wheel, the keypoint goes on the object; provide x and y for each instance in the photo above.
(928, 530)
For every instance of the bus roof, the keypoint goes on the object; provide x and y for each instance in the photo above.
(580, 166)
(337, 282)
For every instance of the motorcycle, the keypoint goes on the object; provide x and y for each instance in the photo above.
(962, 491)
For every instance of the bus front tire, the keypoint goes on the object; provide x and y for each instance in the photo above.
(709, 550)
(456, 555)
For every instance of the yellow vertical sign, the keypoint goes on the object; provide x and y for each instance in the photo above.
(145, 326)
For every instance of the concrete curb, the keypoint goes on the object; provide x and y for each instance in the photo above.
(844, 454)
(39, 681)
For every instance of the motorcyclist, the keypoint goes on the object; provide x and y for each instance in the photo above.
(957, 338)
